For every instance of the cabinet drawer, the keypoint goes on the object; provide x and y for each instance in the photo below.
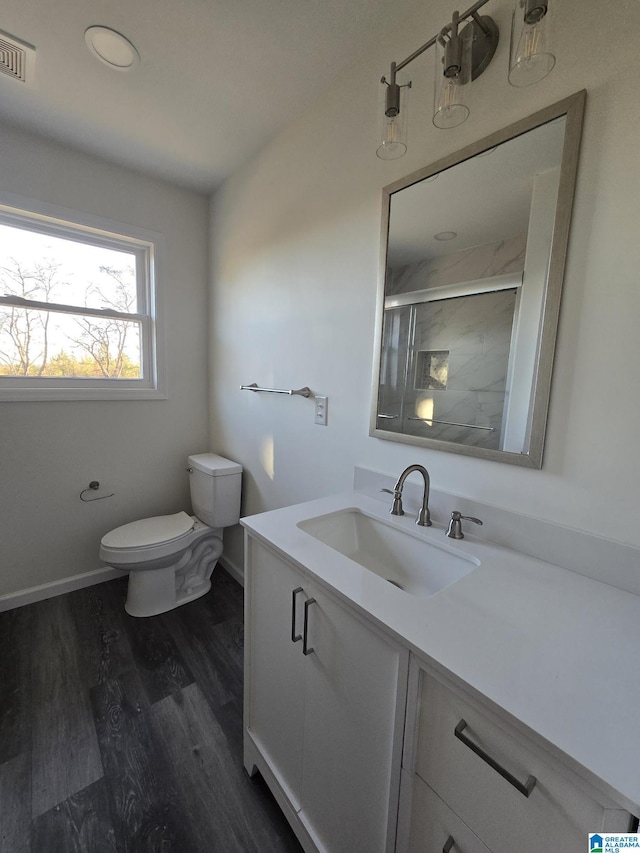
(434, 826)
(555, 813)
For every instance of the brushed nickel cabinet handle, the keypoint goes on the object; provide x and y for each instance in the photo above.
(448, 844)
(305, 648)
(294, 637)
(525, 788)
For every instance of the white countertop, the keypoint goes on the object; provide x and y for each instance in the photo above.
(559, 652)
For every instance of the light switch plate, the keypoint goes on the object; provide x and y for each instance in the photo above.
(322, 404)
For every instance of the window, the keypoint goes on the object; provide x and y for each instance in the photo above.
(78, 308)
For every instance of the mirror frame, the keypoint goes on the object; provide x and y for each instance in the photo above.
(531, 457)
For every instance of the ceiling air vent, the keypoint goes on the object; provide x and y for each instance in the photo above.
(16, 59)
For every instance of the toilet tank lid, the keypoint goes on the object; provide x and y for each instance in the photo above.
(214, 465)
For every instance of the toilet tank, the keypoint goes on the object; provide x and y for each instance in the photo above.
(215, 484)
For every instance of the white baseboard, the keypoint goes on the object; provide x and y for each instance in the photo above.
(106, 573)
(59, 587)
(230, 567)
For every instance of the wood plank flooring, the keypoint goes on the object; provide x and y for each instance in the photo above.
(123, 735)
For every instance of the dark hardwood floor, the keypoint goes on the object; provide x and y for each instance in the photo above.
(123, 734)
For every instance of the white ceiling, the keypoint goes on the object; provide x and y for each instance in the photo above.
(217, 78)
(484, 199)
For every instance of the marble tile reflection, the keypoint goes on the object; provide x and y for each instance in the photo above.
(504, 256)
(450, 324)
(470, 373)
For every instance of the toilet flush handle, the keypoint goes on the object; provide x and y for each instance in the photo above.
(189, 469)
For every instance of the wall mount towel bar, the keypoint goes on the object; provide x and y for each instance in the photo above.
(300, 392)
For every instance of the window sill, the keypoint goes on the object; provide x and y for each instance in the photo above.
(41, 395)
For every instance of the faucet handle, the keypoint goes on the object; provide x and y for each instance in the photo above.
(396, 509)
(455, 524)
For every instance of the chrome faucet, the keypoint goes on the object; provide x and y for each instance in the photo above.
(424, 516)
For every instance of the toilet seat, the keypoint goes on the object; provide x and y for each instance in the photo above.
(151, 542)
(148, 532)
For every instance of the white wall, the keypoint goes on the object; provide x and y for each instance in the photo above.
(295, 264)
(50, 451)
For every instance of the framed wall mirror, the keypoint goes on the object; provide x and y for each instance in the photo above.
(472, 261)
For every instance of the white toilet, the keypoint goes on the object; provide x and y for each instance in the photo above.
(170, 558)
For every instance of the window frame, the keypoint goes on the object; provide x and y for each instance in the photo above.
(148, 247)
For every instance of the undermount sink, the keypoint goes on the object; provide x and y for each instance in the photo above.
(402, 557)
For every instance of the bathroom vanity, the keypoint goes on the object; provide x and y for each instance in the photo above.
(406, 692)
(325, 707)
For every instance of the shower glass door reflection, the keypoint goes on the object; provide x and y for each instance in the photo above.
(445, 368)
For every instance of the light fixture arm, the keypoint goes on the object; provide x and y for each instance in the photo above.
(392, 100)
(480, 22)
(470, 13)
(452, 44)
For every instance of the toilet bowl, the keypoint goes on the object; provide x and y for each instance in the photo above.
(170, 558)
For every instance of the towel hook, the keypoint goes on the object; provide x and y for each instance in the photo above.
(94, 485)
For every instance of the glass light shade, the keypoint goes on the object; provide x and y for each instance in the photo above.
(391, 145)
(449, 108)
(393, 129)
(531, 55)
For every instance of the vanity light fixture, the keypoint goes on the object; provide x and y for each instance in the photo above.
(393, 137)
(453, 71)
(464, 49)
(531, 58)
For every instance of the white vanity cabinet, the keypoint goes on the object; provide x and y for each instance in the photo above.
(324, 708)
(357, 739)
(471, 784)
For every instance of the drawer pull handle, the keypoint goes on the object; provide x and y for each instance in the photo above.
(448, 844)
(525, 789)
(305, 648)
(294, 637)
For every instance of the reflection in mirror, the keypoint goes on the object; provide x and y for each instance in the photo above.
(472, 275)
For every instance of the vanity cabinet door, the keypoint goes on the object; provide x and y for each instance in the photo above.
(274, 667)
(352, 731)
(327, 723)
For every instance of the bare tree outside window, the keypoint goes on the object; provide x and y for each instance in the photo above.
(44, 331)
(24, 333)
(105, 342)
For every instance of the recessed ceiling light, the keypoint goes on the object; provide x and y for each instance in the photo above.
(445, 235)
(112, 48)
